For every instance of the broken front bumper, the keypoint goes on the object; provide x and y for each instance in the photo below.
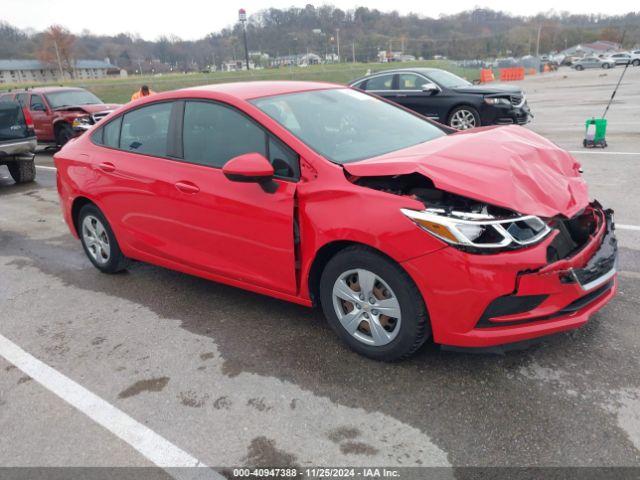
(486, 300)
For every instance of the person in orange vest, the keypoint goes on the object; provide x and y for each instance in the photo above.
(143, 92)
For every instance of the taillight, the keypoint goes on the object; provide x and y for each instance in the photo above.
(27, 118)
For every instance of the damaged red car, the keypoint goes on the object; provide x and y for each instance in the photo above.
(399, 228)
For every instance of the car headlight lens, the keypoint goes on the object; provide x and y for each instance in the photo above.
(475, 231)
(497, 101)
(82, 122)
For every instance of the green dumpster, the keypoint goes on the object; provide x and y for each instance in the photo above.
(596, 129)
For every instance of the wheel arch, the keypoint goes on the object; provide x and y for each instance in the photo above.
(325, 254)
(76, 206)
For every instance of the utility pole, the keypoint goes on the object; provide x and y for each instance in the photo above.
(353, 51)
(242, 16)
(538, 41)
(55, 45)
(338, 42)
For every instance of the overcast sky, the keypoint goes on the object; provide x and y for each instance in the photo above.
(193, 19)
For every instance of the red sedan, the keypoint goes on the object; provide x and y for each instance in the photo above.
(400, 228)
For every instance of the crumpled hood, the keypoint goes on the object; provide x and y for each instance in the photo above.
(509, 167)
(99, 107)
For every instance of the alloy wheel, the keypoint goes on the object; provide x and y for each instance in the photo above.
(463, 120)
(367, 307)
(95, 238)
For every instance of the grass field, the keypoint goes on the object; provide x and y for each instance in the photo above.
(119, 90)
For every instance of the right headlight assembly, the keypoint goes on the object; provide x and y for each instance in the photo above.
(478, 231)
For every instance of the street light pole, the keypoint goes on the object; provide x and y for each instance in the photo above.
(242, 16)
(338, 42)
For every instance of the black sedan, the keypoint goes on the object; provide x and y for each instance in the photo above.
(447, 98)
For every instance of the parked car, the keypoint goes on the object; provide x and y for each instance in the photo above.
(61, 113)
(17, 141)
(315, 193)
(593, 62)
(620, 58)
(447, 98)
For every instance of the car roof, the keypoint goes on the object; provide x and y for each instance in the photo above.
(257, 89)
(46, 89)
(423, 70)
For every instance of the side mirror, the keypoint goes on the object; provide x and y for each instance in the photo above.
(248, 168)
(430, 88)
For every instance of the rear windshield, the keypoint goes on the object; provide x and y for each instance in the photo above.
(345, 125)
(12, 124)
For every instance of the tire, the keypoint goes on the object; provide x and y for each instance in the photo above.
(64, 133)
(636, 62)
(22, 171)
(114, 261)
(579, 68)
(606, 66)
(464, 117)
(402, 336)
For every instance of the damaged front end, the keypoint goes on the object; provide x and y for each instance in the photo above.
(508, 276)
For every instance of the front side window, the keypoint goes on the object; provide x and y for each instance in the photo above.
(345, 125)
(447, 79)
(145, 130)
(383, 82)
(411, 81)
(36, 103)
(213, 134)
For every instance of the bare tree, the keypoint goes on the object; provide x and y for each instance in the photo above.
(58, 48)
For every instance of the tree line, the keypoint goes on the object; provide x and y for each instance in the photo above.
(359, 33)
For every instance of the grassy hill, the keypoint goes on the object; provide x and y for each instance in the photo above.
(119, 90)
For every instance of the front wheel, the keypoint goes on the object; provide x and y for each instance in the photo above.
(464, 118)
(636, 62)
(606, 66)
(64, 133)
(373, 305)
(98, 240)
(579, 68)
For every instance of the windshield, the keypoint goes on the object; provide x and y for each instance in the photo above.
(447, 79)
(344, 125)
(71, 98)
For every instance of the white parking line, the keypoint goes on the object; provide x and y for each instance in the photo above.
(152, 446)
(603, 152)
(46, 168)
(622, 226)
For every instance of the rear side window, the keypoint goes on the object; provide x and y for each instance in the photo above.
(111, 133)
(213, 134)
(145, 130)
(383, 82)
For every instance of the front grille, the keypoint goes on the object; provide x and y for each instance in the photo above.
(573, 234)
(99, 116)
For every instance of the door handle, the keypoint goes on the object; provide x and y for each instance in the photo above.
(107, 167)
(187, 187)
(401, 94)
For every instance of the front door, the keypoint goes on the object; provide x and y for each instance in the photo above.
(42, 118)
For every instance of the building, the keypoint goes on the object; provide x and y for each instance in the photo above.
(35, 71)
(296, 60)
(600, 47)
(385, 56)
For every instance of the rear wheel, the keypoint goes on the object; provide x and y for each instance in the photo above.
(98, 240)
(636, 62)
(606, 66)
(579, 67)
(22, 171)
(64, 133)
(373, 305)
(464, 118)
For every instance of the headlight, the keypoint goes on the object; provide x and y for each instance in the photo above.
(497, 101)
(82, 122)
(480, 231)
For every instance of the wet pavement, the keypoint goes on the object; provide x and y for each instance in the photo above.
(236, 378)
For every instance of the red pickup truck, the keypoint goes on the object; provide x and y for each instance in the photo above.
(60, 113)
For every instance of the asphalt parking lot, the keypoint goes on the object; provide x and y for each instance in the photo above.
(217, 375)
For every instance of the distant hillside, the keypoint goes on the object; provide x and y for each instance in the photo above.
(363, 32)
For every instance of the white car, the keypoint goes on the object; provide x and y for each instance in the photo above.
(623, 58)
